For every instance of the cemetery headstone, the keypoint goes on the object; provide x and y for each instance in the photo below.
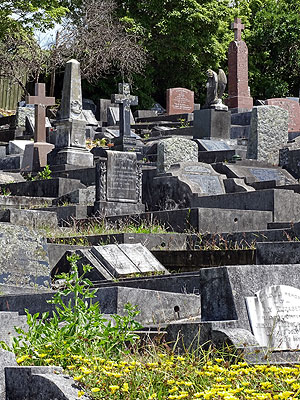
(119, 184)
(125, 142)
(113, 116)
(211, 124)
(238, 89)
(174, 150)
(70, 146)
(268, 133)
(40, 148)
(212, 145)
(179, 101)
(293, 109)
(274, 315)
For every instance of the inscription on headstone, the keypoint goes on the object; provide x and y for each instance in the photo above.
(274, 316)
(207, 184)
(121, 177)
(179, 101)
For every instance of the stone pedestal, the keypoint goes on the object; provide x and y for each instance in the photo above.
(211, 123)
(35, 156)
(71, 156)
(70, 133)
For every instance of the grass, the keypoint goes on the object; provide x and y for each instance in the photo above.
(163, 375)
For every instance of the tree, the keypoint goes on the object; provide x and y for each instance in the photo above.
(274, 47)
(183, 39)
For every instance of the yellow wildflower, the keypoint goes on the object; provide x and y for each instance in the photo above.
(95, 389)
(78, 378)
(125, 387)
(80, 393)
(114, 388)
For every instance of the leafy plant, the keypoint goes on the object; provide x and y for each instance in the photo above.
(76, 326)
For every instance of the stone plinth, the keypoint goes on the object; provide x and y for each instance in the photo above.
(179, 101)
(174, 150)
(293, 109)
(268, 133)
(211, 123)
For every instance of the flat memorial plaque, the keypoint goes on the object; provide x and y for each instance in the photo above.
(121, 177)
(266, 174)
(213, 145)
(274, 316)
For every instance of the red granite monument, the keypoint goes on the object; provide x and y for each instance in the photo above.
(238, 90)
(179, 101)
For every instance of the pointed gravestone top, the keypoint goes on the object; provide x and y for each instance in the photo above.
(71, 102)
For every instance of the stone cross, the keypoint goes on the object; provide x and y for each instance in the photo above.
(41, 102)
(238, 27)
(125, 100)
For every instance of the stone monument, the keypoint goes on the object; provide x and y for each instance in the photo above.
(125, 142)
(268, 133)
(40, 148)
(238, 89)
(213, 120)
(293, 108)
(179, 101)
(70, 144)
(118, 184)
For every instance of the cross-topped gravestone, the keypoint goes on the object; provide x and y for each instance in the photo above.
(238, 27)
(125, 100)
(125, 142)
(238, 90)
(41, 102)
(37, 157)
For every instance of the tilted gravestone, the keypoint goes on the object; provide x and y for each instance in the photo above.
(268, 133)
(274, 315)
(24, 262)
(179, 101)
(119, 184)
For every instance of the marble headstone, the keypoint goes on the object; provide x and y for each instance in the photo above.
(175, 150)
(274, 315)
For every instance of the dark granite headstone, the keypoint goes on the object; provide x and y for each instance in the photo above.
(210, 123)
(212, 145)
(121, 177)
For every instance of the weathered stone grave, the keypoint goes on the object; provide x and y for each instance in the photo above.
(118, 184)
(70, 146)
(293, 109)
(268, 133)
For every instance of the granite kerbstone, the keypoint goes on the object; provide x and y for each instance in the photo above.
(32, 218)
(269, 133)
(174, 150)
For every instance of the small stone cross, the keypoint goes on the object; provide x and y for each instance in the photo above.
(238, 27)
(125, 100)
(41, 102)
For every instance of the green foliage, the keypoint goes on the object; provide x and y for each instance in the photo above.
(76, 326)
(42, 175)
(274, 47)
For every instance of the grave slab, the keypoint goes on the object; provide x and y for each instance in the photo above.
(31, 218)
(278, 252)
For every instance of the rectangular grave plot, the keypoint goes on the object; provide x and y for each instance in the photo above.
(121, 177)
